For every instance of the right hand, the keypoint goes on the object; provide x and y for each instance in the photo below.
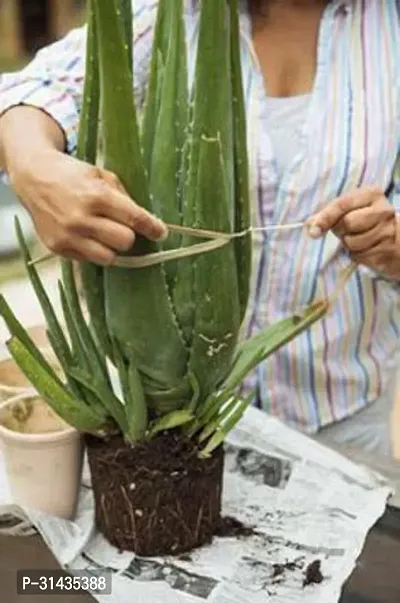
(80, 211)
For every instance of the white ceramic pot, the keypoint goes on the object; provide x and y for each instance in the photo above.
(42, 454)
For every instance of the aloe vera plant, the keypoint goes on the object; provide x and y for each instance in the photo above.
(171, 329)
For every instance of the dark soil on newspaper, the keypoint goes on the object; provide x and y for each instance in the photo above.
(313, 574)
(278, 569)
(229, 527)
(156, 498)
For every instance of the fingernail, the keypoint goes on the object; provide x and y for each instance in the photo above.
(162, 230)
(315, 232)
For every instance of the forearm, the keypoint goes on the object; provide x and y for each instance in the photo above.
(24, 132)
(388, 261)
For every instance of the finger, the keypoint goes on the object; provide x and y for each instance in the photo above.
(368, 240)
(119, 207)
(377, 258)
(88, 250)
(148, 225)
(363, 220)
(370, 257)
(111, 234)
(329, 217)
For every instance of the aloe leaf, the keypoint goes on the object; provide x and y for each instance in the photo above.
(125, 8)
(216, 441)
(118, 113)
(212, 119)
(89, 117)
(253, 351)
(153, 95)
(170, 131)
(96, 361)
(208, 408)
(180, 391)
(219, 415)
(55, 333)
(93, 289)
(135, 406)
(164, 401)
(171, 421)
(196, 391)
(65, 405)
(88, 134)
(138, 309)
(17, 331)
(217, 319)
(72, 385)
(92, 399)
(80, 356)
(83, 393)
(212, 113)
(258, 348)
(59, 342)
(104, 394)
(122, 369)
(83, 345)
(244, 365)
(222, 413)
(243, 244)
(145, 326)
(220, 435)
(82, 359)
(213, 406)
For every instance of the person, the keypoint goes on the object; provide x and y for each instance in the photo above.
(322, 90)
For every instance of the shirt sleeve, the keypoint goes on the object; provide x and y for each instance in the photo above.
(53, 81)
(396, 187)
(395, 197)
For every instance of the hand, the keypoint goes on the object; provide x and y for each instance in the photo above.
(367, 226)
(80, 211)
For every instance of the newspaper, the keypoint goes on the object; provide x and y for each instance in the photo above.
(306, 503)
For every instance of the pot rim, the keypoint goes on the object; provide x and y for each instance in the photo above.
(49, 437)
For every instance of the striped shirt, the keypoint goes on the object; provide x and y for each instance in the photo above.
(350, 138)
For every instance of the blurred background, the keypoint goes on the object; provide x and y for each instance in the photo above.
(26, 26)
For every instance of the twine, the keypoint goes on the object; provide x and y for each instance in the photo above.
(12, 390)
(17, 394)
(217, 240)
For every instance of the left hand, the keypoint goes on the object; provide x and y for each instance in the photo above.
(367, 226)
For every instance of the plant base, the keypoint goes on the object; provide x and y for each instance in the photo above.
(156, 498)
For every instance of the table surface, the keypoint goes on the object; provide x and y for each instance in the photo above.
(376, 578)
